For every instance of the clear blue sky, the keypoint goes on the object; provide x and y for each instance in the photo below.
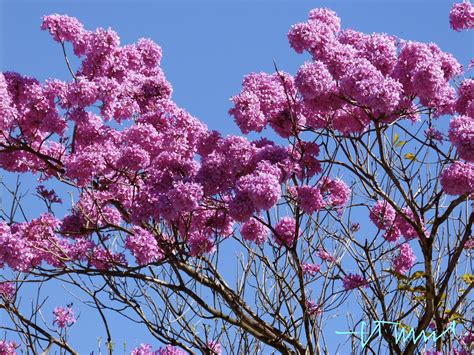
(207, 48)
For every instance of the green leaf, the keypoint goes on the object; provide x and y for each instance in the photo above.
(399, 144)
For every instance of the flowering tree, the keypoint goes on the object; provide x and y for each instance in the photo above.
(160, 204)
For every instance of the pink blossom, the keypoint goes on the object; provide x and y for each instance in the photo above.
(310, 198)
(143, 349)
(65, 29)
(49, 195)
(7, 110)
(64, 316)
(170, 350)
(352, 281)
(143, 246)
(461, 16)
(469, 243)
(404, 227)
(304, 155)
(8, 347)
(324, 255)
(7, 290)
(200, 243)
(254, 231)
(458, 178)
(382, 214)
(214, 347)
(285, 232)
(310, 269)
(465, 101)
(313, 308)
(405, 259)
(314, 81)
(263, 99)
(367, 85)
(434, 135)
(461, 135)
(104, 259)
(338, 193)
(263, 187)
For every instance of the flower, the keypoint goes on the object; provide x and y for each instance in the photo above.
(313, 308)
(7, 290)
(254, 231)
(7, 347)
(458, 178)
(352, 281)
(310, 269)
(285, 232)
(461, 16)
(64, 316)
(461, 135)
(404, 260)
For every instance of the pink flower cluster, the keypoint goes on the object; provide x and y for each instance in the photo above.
(461, 135)
(64, 317)
(254, 231)
(146, 349)
(8, 347)
(458, 178)
(404, 260)
(352, 281)
(310, 270)
(143, 246)
(285, 232)
(461, 16)
(379, 78)
(313, 308)
(328, 193)
(7, 290)
(384, 216)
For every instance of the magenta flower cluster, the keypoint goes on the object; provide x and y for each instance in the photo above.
(404, 260)
(8, 347)
(64, 317)
(353, 80)
(384, 216)
(352, 281)
(461, 16)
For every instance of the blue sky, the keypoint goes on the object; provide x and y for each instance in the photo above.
(208, 46)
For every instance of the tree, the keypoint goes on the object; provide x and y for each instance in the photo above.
(158, 200)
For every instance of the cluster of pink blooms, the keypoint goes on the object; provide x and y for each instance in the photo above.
(64, 317)
(7, 290)
(285, 232)
(458, 178)
(352, 281)
(404, 260)
(254, 231)
(310, 270)
(353, 79)
(7, 347)
(328, 193)
(143, 172)
(461, 133)
(384, 216)
(313, 308)
(143, 246)
(324, 255)
(213, 347)
(146, 349)
(461, 16)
